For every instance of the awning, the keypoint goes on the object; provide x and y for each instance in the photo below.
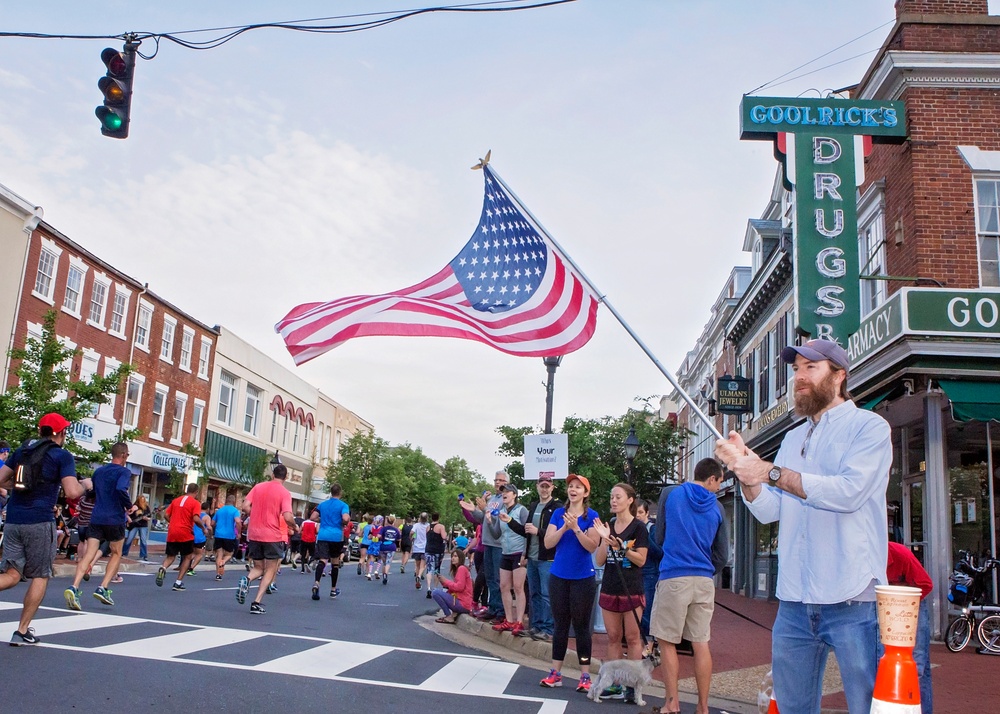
(233, 460)
(973, 401)
(872, 403)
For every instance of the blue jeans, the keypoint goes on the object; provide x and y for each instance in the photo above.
(802, 638)
(649, 580)
(143, 534)
(538, 586)
(491, 563)
(922, 657)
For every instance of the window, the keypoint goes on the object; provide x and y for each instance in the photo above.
(159, 405)
(748, 371)
(196, 418)
(119, 310)
(227, 397)
(274, 425)
(74, 286)
(295, 437)
(88, 368)
(133, 400)
(988, 231)
(871, 250)
(167, 343)
(107, 411)
(284, 432)
(48, 265)
(177, 430)
(764, 367)
(187, 345)
(143, 325)
(203, 356)
(98, 300)
(252, 413)
(324, 449)
(305, 440)
(780, 368)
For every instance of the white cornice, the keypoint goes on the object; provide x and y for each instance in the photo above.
(899, 70)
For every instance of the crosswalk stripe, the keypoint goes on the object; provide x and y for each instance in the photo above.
(471, 677)
(179, 643)
(72, 623)
(325, 661)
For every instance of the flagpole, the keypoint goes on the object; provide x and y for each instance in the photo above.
(603, 299)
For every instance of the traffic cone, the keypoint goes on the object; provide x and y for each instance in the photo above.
(897, 685)
(772, 707)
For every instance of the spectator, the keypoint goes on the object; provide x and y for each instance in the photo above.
(138, 525)
(454, 596)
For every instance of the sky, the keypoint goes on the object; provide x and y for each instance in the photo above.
(285, 167)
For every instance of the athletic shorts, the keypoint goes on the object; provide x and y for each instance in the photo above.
(262, 550)
(621, 603)
(329, 549)
(29, 548)
(183, 548)
(433, 562)
(81, 532)
(511, 561)
(683, 608)
(418, 556)
(106, 533)
(405, 547)
(226, 544)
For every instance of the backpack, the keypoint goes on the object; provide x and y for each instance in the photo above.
(29, 470)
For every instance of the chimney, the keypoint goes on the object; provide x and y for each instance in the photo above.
(941, 7)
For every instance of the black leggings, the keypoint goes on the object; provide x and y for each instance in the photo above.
(572, 601)
(480, 593)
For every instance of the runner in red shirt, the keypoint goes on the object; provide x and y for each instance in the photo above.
(182, 514)
(270, 506)
(307, 547)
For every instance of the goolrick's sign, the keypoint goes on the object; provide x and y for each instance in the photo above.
(822, 144)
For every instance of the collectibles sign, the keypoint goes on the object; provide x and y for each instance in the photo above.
(733, 395)
(823, 143)
(546, 455)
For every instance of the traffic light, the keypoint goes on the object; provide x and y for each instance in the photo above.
(116, 86)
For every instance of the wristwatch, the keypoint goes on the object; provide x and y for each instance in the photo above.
(774, 474)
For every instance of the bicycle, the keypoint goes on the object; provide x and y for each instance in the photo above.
(969, 585)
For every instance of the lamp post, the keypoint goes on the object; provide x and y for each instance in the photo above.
(631, 449)
(550, 366)
(275, 461)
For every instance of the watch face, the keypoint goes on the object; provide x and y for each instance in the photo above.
(774, 474)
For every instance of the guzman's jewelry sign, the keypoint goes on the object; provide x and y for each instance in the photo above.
(822, 144)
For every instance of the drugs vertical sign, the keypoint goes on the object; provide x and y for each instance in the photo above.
(546, 455)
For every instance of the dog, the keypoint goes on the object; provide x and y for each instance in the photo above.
(626, 672)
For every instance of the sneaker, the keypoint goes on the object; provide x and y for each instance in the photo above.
(385, 579)
(584, 684)
(334, 593)
(315, 592)
(368, 576)
(402, 569)
(117, 579)
(359, 568)
(517, 629)
(257, 609)
(428, 594)
(553, 680)
(104, 595)
(615, 691)
(272, 589)
(160, 575)
(191, 573)
(72, 596)
(86, 576)
(503, 626)
(630, 695)
(241, 590)
(178, 586)
(416, 584)
(19, 638)
(527, 633)
(218, 577)
(542, 637)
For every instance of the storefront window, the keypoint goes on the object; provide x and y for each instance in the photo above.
(969, 487)
(767, 539)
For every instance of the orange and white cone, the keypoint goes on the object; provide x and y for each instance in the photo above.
(772, 707)
(897, 685)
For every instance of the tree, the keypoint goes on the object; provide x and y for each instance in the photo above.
(372, 477)
(45, 384)
(458, 478)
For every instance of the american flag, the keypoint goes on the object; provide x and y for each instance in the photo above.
(507, 288)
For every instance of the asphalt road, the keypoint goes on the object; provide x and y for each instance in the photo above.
(157, 649)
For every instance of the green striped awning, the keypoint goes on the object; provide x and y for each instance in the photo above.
(973, 401)
(233, 460)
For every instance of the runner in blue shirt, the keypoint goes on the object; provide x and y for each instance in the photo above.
(201, 531)
(227, 529)
(331, 515)
(390, 537)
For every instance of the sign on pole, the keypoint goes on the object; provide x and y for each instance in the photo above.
(546, 454)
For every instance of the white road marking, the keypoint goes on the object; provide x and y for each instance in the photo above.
(326, 661)
(479, 677)
(179, 643)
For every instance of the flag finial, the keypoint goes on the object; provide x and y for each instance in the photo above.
(483, 162)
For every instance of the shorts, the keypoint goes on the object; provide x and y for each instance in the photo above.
(226, 544)
(621, 603)
(29, 548)
(418, 556)
(262, 550)
(81, 532)
(511, 561)
(405, 547)
(106, 533)
(183, 548)
(329, 549)
(433, 562)
(682, 609)
(201, 545)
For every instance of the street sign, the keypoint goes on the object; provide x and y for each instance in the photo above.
(734, 395)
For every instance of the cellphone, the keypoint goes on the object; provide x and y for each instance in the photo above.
(461, 497)
(495, 512)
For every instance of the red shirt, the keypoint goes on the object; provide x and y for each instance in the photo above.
(904, 569)
(267, 502)
(182, 513)
(309, 530)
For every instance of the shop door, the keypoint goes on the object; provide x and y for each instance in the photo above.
(913, 516)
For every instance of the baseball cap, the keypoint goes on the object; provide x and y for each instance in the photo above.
(818, 350)
(508, 487)
(547, 478)
(577, 477)
(56, 422)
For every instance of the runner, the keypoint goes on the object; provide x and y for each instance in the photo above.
(406, 543)
(227, 526)
(419, 535)
(200, 539)
(390, 536)
(332, 514)
(270, 504)
(437, 536)
(182, 515)
(374, 547)
(307, 543)
(363, 551)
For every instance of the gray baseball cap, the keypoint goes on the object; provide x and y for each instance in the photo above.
(818, 350)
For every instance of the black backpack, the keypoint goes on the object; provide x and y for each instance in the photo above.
(29, 470)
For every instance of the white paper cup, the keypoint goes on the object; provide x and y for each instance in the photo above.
(898, 612)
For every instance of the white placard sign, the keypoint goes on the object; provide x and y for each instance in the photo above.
(546, 454)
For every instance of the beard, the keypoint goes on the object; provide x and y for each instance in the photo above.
(816, 398)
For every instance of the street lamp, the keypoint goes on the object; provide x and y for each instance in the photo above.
(550, 366)
(631, 449)
(275, 461)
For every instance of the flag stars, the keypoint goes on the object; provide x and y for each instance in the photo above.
(506, 274)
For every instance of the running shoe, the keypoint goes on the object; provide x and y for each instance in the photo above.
(19, 638)
(542, 637)
(615, 691)
(503, 626)
(104, 595)
(160, 575)
(191, 573)
(517, 629)
(241, 590)
(178, 586)
(257, 609)
(553, 680)
(428, 594)
(527, 633)
(368, 576)
(118, 579)
(359, 568)
(272, 589)
(218, 577)
(630, 695)
(584, 684)
(315, 592)
(417, 584)
(86, 576)
(72, 596)
(385, 578)
(402, 569)
(334, 593)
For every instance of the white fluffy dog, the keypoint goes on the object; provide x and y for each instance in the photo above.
(626, 672)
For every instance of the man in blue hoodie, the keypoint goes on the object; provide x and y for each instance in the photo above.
(695, 547)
